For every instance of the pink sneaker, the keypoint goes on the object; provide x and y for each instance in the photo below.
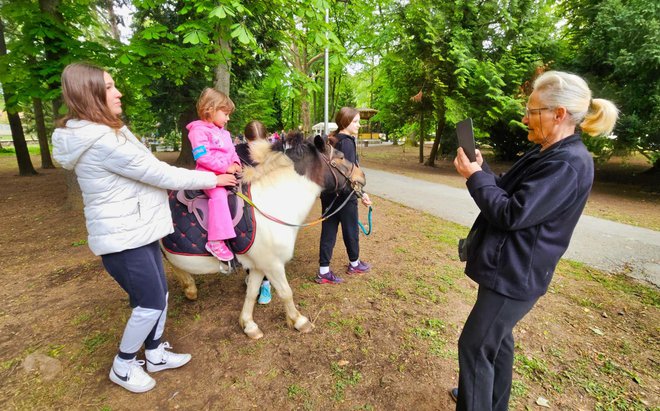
(220, 250)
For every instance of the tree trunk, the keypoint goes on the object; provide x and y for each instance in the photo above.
(25, 167)
(332, 110)
(46, 160)
(438, 132)
(112, 19)
(185, 158)
(422, 132)
(223, 70)
(53, 46)
(304, 110)
(74, 200)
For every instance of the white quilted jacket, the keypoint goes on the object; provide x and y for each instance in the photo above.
(122, 183)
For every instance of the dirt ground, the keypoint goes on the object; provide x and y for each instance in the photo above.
(382, 341)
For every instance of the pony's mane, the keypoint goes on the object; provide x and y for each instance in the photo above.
(268, 161)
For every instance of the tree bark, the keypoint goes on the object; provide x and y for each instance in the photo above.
(304, 110)
(185, 158)
(422, 132)
(25, 167)
(223, 70)
(112, 19)
(53, 46)
(438, 132)
(46, 160)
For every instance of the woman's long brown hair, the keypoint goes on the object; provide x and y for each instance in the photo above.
(343, 119)
(84, 92)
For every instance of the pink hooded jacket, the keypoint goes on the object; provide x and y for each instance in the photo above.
(212, 147)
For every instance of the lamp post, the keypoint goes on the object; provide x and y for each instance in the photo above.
(325, 93)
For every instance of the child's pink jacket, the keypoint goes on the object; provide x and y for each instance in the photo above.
(214, 151)
(212, 147)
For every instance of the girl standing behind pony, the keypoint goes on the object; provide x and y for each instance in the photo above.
(348, 121)
(213, 150)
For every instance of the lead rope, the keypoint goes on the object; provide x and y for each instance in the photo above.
(364, 231)
(277, 220)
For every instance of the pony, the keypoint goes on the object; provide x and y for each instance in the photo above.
(284, 187)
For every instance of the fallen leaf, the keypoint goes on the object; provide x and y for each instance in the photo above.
(597, 331)
(543, 402)
(342, 363)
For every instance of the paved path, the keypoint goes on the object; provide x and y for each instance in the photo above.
(603, 244)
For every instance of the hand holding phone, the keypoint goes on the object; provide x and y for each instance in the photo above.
(466, 138)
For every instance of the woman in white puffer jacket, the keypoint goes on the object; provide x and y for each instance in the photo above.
(126, 212)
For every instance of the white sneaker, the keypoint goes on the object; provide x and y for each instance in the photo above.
(160, 359)
(130, 375)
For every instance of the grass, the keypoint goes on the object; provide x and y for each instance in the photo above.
(343, 378)
(294, 391)
(10, 151)
(434, 330)
(619, 284)
(93, 342)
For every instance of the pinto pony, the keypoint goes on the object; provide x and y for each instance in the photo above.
(284, 186)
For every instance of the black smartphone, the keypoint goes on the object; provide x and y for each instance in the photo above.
(466, 138)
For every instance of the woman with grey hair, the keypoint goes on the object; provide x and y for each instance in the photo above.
(526, 220)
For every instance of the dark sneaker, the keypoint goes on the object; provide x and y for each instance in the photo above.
(361, 268)
(328, 278)
(454, 394)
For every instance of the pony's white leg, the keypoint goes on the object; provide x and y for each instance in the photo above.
(187, 282)
(293, 317)
(245, 320)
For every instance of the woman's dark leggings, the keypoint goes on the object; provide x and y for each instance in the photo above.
(485, 351)
(348, 217)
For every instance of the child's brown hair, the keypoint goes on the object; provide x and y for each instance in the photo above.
(212, 100)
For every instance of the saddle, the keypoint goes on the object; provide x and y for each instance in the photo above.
(190, 217)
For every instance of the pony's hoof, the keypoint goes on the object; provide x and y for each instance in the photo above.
(306, 328)
(253, 332)
(303, 325)
(191, 294)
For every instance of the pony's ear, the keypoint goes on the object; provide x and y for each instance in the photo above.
(320, 144)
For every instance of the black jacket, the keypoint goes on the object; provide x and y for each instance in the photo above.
(527, 218)
(346, 144)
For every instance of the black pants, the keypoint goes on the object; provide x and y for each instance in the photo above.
(348, 217)
(485, 351)
(140, 273)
